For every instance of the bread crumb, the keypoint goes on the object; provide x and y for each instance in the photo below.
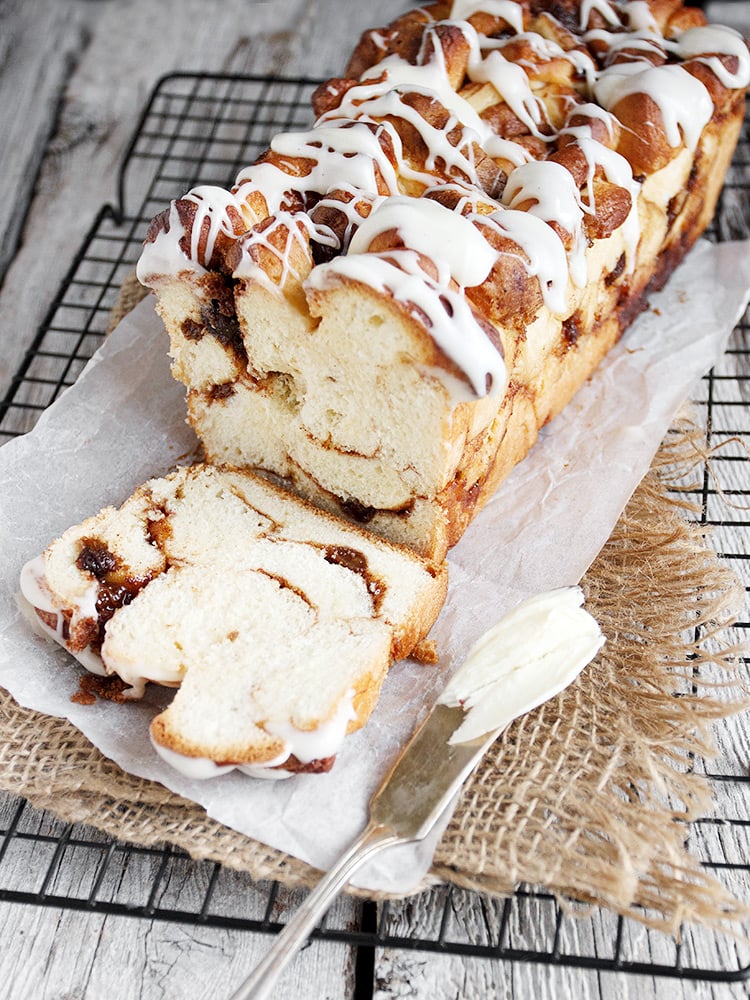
(426, 652)
(92, 686)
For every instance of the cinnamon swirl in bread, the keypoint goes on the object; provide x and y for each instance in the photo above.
(276, 621)
(385, 309)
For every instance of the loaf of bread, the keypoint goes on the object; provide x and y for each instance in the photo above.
(276, 621)
(384, 310)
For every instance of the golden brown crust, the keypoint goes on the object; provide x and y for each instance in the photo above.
(549, 348)
(196, 246)
(167, 735)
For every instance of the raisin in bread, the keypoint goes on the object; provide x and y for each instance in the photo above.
(386, 308)
(276, 622)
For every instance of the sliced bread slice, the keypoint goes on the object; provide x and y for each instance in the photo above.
(276, 621)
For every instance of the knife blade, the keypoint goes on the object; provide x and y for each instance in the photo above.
(434, 764)
(411, 799)
(427, 774)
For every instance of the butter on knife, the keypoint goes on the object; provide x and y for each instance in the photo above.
(532, 654)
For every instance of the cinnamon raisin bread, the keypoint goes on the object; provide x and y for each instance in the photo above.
(276, 621)
(385, 309)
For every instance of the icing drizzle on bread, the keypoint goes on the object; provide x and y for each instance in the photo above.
(575, 149)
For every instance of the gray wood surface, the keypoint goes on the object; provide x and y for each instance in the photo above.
(74, 75)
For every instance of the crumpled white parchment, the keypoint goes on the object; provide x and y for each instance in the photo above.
(123, 422)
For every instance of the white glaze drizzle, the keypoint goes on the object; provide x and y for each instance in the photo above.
(512, 84)
(376, 98)
(378, 40)
(645, 40)
(639, 17)
(345, 153)
(213, 204)
(350, 209)
(275, 184)
(137, 677)
(451, 241)
(451, 322)
(296, 228)
(164, 255)
(685, 104)
(589, 111)
(510, 11)
(306, 745)
(618, 171)
(714, 38)
(203, 768)
(555, 198)
(340, 148)
(547, 49)
(468, 197)
(546, 254)
(602, 7)
(508, 78)
(38, 597)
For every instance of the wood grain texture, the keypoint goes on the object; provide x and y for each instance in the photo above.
(74, 75)
(38, 51)
(51, 954)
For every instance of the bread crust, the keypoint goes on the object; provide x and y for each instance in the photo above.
(630, 118)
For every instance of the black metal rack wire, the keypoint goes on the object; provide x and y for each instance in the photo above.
(203, 129)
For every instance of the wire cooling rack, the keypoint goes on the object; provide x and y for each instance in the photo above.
(203, 129)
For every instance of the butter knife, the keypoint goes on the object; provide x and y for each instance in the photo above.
(531, 655)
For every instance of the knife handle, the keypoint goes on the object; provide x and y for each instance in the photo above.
(261, 981)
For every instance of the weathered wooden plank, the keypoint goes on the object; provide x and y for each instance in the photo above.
(474, 918)
(108, 55)
(39, 46)
(50, 954)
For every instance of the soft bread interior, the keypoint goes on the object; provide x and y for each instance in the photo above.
(255, 655)
(577, 149)
(276, 622)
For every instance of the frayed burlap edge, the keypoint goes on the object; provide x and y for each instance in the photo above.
(130, 294)
(587, 797)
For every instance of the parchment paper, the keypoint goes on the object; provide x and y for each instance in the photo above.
(123, 422)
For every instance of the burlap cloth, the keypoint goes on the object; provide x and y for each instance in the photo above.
(587, 796)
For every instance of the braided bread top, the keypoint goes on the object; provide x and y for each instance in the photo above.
(522, 130)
